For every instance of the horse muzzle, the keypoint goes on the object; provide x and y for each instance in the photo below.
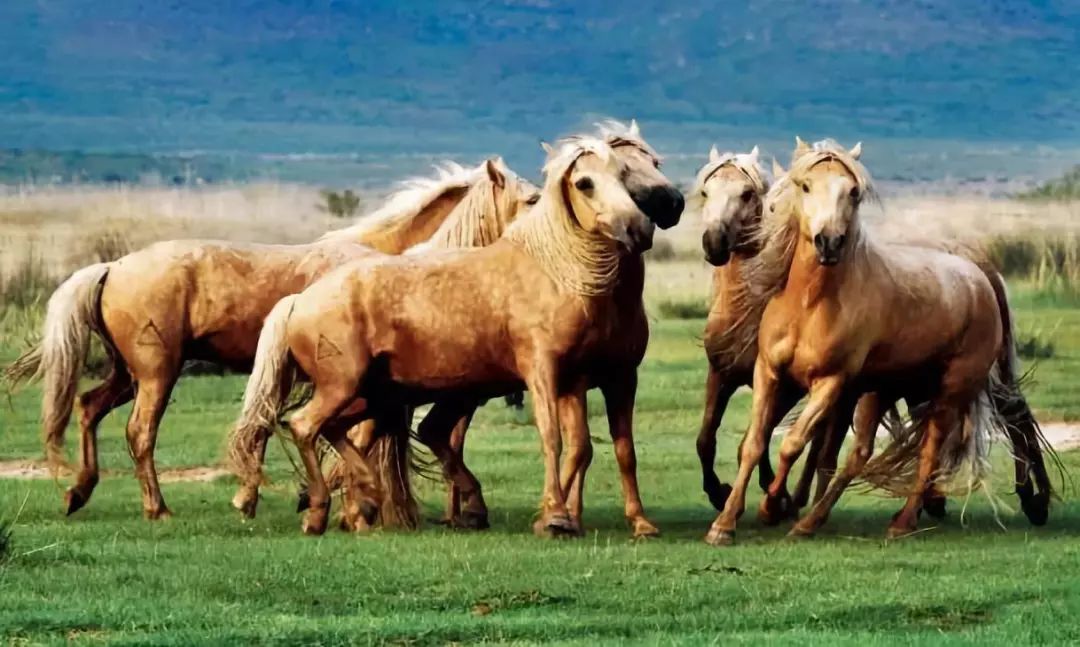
(662, 204)
(829, 248)
(717, 246)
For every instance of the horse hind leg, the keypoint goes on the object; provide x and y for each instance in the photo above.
(941, 423)
(94, 405)
(443, 431)
(151, 398)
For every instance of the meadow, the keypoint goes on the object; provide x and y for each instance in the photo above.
(206, 576)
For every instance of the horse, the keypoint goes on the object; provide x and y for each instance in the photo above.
(661, 202)
(556, 308)
(729, 191)
(184, 300)
(844, 316)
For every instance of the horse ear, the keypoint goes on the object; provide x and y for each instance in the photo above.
(548, 150)
(494, 174)
(856, 151)
(754, 154)
(714, 154)
(634, 130)
(777, 170)
(801, 147)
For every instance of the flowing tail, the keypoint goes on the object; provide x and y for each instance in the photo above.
(1017, 421)
(266, 393)
(73, 312)
(392, 459)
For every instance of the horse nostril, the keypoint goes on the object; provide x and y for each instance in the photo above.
(819, 241)
(839, 242)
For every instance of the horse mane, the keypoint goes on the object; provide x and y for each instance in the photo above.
(615, 134)
(577, 261)
(743, 162)
(475, 221)
(412, 197)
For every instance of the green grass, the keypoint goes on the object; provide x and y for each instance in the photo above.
(207, 577)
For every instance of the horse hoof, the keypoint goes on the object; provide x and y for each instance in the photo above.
(720, 538)
(643, 529)
(303, 501)
(369, 511)
(246, 504)
(472, 521)
(1036, 508)
(74, 500)
(161, 514)
(898, 532)
(558, 525)
(798, 531)
(935, 507)
(717, 492)
(775, 509)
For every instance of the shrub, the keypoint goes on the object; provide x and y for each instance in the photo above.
(1066, 187)
(340, 205)
(688, 309)
(1052, 265)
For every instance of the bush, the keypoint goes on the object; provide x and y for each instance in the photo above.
(692, 309)
(1066, 187)
(340, 205)
(1033, 347)
(6, 544)
(662, 250)
(1052, 265)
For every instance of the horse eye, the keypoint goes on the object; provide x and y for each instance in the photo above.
(584, 184)
(746, 195)
(806, 187)
(705, 194)
(855, 193)
(533, 199)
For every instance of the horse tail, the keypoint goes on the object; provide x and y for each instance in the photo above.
(392, 458)
(73, 312)
(1016, 419)
(265, 395)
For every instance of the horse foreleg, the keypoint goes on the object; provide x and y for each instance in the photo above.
(573, 419)
(868, 415)
(152, 395)
(718, 392)
(542, 382)
(437, 430)
(824, 394)
(767, 392)
(619, 393)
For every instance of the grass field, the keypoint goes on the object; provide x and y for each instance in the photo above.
(205, 576)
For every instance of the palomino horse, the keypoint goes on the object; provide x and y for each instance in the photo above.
(662, 203)
(844, 317)
(183, 300)
(555, 306)
(729, 191)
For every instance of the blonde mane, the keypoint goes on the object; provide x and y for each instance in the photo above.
(616, 133)
(577, 261)
(745, 163)
(476, 220)
(409, 201)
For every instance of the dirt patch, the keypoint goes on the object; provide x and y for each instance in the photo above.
(1062, 436)
(36, 469)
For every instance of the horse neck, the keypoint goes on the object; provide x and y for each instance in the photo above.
(419, 228)
(813, 282)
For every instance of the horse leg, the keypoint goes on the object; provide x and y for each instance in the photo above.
(824, 394)
(868, 416)
(94, 405)
(151, 397)
(619, 393)
(307, 424)
(362, 492)
(1029, 463)
(767, 392)
(573, 418)
(717, 394)
(802, 488)
(453, 494)
(941, 422)
(361, 436)
(542, 381)
(829, 452)
(433, 432)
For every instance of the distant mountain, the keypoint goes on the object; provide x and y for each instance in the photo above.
(458, 77)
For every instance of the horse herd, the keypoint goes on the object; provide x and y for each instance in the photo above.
(475, 283)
